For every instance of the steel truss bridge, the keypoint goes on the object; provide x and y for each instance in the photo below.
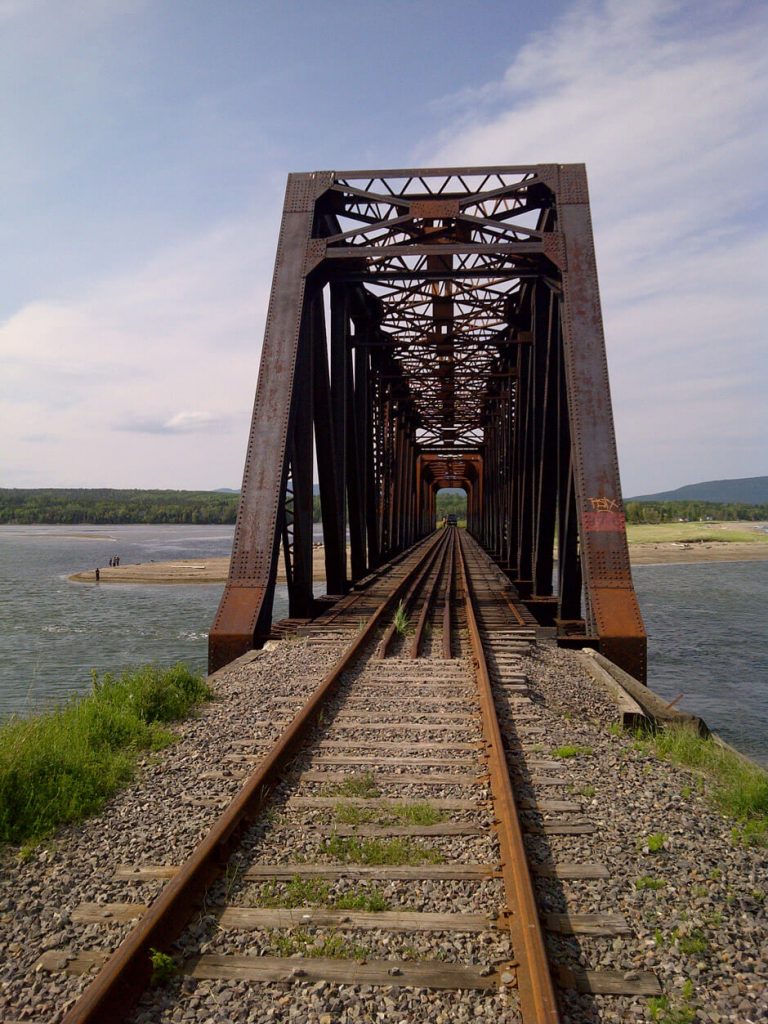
(436, 328)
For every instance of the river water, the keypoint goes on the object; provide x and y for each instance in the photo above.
(706, 622)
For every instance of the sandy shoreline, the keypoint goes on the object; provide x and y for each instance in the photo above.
(214, 570)
(687, 554)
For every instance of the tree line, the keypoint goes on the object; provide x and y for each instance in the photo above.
(652, 512)
(109, 506)
(104, 506)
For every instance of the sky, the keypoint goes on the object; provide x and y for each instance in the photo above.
(145, 146)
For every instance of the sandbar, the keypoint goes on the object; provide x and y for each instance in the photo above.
(690, 553)
(183, 570)
(215, 570)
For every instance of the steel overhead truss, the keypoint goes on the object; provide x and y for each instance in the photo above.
(431, 328)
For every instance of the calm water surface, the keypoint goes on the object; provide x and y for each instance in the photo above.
(708, 639)
(706, 623)
(53, 632)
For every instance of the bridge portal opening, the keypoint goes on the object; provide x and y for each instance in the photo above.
(451, 501)
(433, 328)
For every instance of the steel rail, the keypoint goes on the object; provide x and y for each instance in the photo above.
(126, 974)
(429, 600)
(536, 992)
(416, 584)
(448, 594)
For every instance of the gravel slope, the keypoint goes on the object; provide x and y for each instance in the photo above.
(711, 897)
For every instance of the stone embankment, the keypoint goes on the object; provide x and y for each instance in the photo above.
(694, 898)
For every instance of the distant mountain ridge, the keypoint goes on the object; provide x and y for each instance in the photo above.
(748, 490)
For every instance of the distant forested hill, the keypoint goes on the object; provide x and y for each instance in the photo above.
(749, 490)
(106, 505)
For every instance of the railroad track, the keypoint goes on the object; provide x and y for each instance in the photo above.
(395, 832)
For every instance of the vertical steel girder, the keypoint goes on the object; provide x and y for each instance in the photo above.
(464, 348)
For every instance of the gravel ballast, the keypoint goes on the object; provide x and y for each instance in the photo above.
(702, 931)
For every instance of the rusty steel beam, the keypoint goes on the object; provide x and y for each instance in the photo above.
(612, 611)
(245, 611)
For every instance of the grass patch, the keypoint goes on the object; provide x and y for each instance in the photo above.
(587, 791)
(736, 787)
(62, 765)
(409, 952)
(648, 882)
(664, 1012)
(350, 814)
(370, 899)
(299, 892)
(411, 813)
(572, 750)
(693, 944)
(303, 943)
(381, 851)
(315, 892)
(692, 533)
(359, 784)
(654, 843)
(417, 814)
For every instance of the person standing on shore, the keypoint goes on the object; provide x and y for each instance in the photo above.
(98, 575)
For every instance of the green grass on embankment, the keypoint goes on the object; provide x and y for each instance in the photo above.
(737, 787)
(61, 765)
(694, 533)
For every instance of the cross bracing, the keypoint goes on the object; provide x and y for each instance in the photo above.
(428, 328)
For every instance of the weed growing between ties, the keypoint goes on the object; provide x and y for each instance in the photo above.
(164, 967)
(360, 784)
(315, 892)
(381, 851)
(692, 944)
(369, 899)
(736, 786)
(586, 790)
(351, 814)
(299, 892)
(410, 813)
(401, 620)
(61, 766)
(572, 750)
(303, 943)
(664, 1011)
(648, 882)
(654, 843)
(418, 814)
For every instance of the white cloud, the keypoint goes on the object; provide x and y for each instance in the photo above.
(180, 423)
(147, 378)
(667, 106)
